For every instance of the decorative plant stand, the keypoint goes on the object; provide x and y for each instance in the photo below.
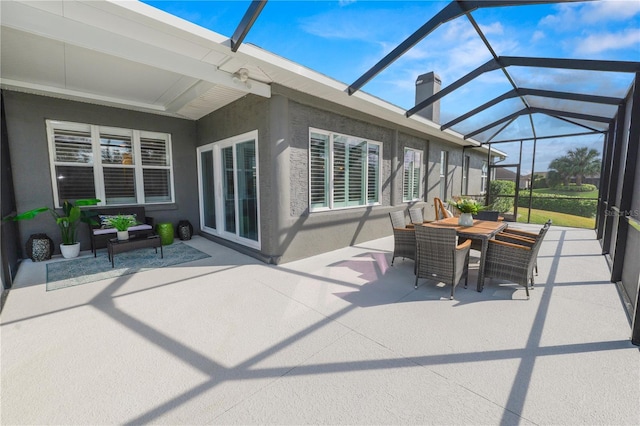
(39, 247)
(165, 230)
(185, 230)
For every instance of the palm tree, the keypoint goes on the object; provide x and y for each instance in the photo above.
(560, 170)
(584, 162)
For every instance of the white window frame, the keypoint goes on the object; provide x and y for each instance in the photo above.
(329, 186)
(98, 167)
(413, 162)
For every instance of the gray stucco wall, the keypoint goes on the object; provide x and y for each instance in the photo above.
(307, 233)
(26, 115)
(288, 230)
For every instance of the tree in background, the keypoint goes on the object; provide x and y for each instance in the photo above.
(578, 163)
(584, 162)
(560, 171)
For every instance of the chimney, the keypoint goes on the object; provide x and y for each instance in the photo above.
(427, 85)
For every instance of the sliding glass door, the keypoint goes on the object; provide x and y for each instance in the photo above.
(228, 183)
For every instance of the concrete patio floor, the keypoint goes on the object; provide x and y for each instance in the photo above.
(340, 338)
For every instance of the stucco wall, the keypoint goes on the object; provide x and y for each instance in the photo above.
(26, 115)
(307, 233)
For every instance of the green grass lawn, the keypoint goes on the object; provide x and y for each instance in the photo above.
(589, 194)
(558, 219)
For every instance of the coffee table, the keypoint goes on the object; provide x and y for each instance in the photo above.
(115, 246)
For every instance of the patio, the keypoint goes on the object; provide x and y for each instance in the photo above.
(339, 338)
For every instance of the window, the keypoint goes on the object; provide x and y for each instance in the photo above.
(118, 166)
(483, 178)
(465, 174)
(344, 171)
(444, 166)
(412, 173)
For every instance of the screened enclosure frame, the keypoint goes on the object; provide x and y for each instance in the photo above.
(612, 229)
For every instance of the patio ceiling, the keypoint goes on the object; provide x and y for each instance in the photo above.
(123, 55)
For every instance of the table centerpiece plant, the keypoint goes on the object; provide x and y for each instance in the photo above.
(467, 207)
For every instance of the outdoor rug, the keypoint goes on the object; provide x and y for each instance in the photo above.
(84, 270)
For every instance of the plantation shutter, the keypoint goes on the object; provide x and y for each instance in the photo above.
(73, 162)
(118, 168)
(416, 166)
(339, 171)
(356, 172)
(318, 170)
(373, 168)
(156, 169)
(411, 174)
(407, 175)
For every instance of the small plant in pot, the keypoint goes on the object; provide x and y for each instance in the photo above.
(122, 223)
(467, 207)
(67, 222)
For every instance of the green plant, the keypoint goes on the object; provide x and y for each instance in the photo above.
(466, 205)
(67, 221)
(501, 195)
(121, 222)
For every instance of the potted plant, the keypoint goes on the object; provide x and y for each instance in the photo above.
(468, 207)
(122, 223)
(67, 221)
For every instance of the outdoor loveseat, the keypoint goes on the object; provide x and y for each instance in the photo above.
(100, 233)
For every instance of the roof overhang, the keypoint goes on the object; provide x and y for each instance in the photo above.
(131, 55)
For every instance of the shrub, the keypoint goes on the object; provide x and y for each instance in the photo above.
(501, 187)
(539, 182)
(555, 203)
(585, 187)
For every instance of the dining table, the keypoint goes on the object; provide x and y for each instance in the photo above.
(482, 230)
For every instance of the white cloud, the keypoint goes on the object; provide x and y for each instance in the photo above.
(569, 16)
(564, 20)
(537, 36)
(610, 10)
(597, 43)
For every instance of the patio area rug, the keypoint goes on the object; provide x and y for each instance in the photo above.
(82, 270)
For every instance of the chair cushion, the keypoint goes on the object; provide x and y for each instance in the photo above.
(104, 219)
(102, 231)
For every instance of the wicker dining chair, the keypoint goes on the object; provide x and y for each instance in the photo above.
(519, 236)
(404, 239)
(416, 216)
(491, 215)
(514, 262)
(440, 257)
(441, 211)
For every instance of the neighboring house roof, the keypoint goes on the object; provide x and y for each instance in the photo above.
(131, 55)
(504, 174)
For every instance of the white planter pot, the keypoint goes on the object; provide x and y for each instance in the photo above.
(465, 219)
(70, 250)
(123, 235)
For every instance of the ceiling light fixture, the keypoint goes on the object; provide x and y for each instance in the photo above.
(241, 76)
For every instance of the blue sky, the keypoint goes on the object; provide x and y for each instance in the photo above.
(343, 39)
